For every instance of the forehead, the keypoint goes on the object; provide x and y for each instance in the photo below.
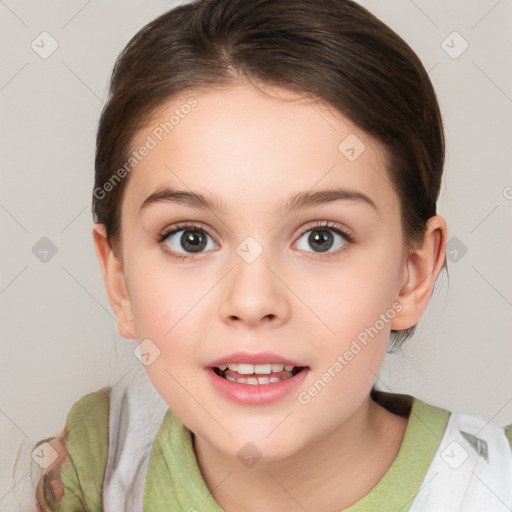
(249, 146)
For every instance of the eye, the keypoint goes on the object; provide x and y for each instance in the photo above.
(323, 237)
(185, 240)
(189, 238)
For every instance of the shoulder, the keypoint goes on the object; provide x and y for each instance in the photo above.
(482, 427)
(472, 467)
(74, 462)
(456, 417)
(465, 423)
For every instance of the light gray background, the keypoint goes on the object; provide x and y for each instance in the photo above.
(58, 336)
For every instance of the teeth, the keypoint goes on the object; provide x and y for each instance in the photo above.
(262, 369)
(255, 380)
(259, 369)
(244, 369)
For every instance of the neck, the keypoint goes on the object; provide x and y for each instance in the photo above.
(331, 474)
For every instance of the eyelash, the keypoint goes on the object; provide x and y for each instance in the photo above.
(328, 226)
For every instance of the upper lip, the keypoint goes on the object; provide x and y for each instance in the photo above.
(253, 358)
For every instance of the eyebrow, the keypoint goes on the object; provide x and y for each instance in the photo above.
(186, 198)
(296, 201)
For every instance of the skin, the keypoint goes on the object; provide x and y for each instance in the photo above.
(254, 148)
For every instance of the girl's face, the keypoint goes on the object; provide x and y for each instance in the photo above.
(260, 270)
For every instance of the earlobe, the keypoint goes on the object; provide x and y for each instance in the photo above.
(421, 269)
(113, 276)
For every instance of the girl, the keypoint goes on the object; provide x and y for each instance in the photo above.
(265, 203)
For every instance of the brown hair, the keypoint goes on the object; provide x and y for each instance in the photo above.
(334, 50)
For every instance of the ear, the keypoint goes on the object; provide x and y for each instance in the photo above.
(114, 282)
(420, 271)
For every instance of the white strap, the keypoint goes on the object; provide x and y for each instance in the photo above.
(136, 413)
(471, 471)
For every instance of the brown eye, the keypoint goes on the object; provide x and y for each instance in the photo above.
(185, 241)
(323, 238)
(193, 241)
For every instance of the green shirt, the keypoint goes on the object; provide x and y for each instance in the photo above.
(174, 481)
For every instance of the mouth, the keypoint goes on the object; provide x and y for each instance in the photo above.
(255, 379)
(257, 374)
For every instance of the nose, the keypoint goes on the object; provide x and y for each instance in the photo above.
(254, 294)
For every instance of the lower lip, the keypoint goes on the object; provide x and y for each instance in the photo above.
(256, 394)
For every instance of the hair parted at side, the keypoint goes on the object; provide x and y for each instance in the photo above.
(334, 50)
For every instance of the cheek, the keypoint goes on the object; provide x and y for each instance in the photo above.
(164, 310)
(170, 307)
(354, 310)
(163, 296)
(352, 298)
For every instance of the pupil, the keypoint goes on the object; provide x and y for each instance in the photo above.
(322, 239)
(194, 240)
